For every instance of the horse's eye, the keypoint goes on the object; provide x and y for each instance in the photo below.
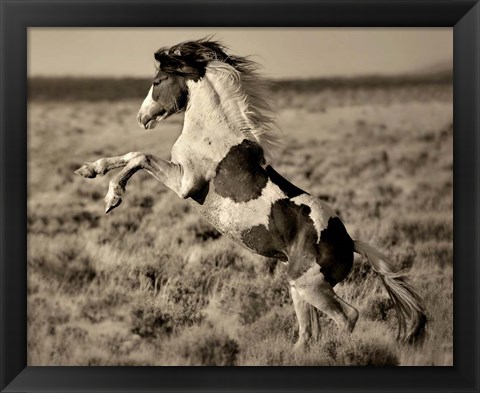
(159, 78)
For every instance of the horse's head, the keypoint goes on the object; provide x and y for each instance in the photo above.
(176, 65)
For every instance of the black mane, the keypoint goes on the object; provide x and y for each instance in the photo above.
(198, 54)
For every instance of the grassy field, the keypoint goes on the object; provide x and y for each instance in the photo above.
(152, 284)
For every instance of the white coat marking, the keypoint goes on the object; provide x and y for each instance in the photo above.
(235, 217)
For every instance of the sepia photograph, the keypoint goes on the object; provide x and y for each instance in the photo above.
(240, 197)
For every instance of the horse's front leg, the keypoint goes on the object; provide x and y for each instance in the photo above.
(104, 165)
(164, 171)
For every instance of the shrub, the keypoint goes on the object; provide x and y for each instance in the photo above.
(151, 322)
(203, 346)
(365, 354)
(65, 262)
(379, 309)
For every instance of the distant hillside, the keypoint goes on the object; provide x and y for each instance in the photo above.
(97, 89)
(88, 89)
(441, 68)
(365, 82)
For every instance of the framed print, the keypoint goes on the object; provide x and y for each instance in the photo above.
(319, 212)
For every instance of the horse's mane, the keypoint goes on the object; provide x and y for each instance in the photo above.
(243, 84)
(249, 92)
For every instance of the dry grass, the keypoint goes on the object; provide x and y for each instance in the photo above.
(153, 284)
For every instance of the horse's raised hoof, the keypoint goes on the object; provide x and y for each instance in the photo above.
(86, 170)
(111, 202)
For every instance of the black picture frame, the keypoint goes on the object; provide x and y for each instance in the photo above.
(18, 15)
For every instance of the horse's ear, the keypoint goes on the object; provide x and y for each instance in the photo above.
(168, 62)
(160, 56)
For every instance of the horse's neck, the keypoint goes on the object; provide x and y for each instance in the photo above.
(211, 112)
(211, 126)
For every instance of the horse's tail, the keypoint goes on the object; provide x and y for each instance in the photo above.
(408, 303)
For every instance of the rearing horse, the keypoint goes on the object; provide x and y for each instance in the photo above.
(219, 162)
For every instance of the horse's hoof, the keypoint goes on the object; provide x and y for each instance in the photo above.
(352, 319)
(300, 346)
(86, 171)
(111, 202)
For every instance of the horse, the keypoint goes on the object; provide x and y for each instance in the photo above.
(220, 162)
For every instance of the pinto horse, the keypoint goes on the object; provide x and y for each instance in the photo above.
(219, 162)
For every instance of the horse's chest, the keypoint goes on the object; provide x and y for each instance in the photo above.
(240, 195)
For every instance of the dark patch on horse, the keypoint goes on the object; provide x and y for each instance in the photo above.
(335, 252)
(288, 188)
(200, 194)
(259, 239)
(240, 175)
(290, 231)
(292, 226)
(291, 222)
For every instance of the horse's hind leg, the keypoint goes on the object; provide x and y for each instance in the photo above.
(314, 289)
(302, 310)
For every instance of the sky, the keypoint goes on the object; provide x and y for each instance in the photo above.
(283, 52)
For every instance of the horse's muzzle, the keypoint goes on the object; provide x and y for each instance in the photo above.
(148, 122)
(143, 120)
